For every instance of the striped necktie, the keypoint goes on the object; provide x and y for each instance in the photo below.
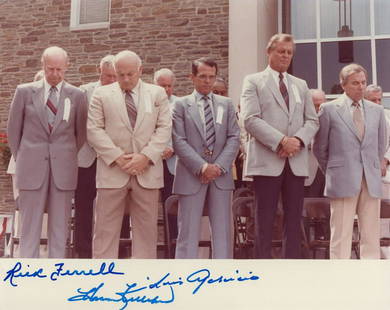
(51, 107)
(209, 124)
(283, 89)
(358, 120)
(130, 107)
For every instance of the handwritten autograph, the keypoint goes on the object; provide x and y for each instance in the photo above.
(146, 293)
(17, 272)
(151, 291)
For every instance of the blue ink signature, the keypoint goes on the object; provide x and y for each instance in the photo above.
(200, 278)
(17, 272)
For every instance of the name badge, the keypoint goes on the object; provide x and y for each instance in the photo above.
(296, 94)
(219, 115)
(66, 110)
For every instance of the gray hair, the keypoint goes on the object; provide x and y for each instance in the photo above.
(372, 88)
(107, 61)
(128, 54)
(54, 50)
(279, 37)
(350, 69)
(163, 72)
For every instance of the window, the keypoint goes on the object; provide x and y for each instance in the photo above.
(90, 14)
(330, 34)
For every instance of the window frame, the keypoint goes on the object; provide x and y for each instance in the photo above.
(75, 18)
(318, 41)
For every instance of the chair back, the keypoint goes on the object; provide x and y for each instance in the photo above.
(317, 208)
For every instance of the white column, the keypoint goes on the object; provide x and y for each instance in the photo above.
(251, 24)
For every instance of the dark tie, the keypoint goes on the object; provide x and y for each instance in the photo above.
(283, 89)
(51, 106)
(209, 124)
(131, 109)
(358, 120)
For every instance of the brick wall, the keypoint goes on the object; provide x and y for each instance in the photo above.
(165, 33)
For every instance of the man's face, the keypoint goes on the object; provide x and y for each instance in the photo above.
(219, 88)
(318, 99)
(374, 96)
(280, 57)
(166, 82)
(54, 67)
(107, 74)
(355, 86)
(204, 79)
(127, 73)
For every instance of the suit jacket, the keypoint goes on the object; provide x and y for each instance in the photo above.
(189, 143)
(87, 154)
(109, 132)
(34, 147)
(171, 162)
(342, 156)
(267, 119)
(312, 165)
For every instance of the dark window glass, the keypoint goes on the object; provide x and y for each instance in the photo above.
(336, 55)
(304, 64)
(383, 63)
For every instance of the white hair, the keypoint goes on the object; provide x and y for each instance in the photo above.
(163, 72)
(107, 61)
(128, 54)
(54, 50)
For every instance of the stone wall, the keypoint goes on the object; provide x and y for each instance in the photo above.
(165, 33)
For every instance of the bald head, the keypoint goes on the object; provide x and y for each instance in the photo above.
(373, 93)
(318, 97)
(166, 79)
(54, 62)
(128, 69)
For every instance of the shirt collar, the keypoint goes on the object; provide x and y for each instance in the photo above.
(349, 101)
(48, 86)
(275, 74)
(135, 90)
(199, 96)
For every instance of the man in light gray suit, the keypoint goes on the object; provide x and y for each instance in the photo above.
(206, 139)
(86, 182)
(280, 118)
(46, 128)
(349, 147)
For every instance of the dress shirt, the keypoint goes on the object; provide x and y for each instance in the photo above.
(351, 108)
(200, 102)
(275, 76)
(47, 87)
(134, 94)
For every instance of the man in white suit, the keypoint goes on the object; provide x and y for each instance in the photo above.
(349, 147)
(129, 126)
(86, 181)
(46, 128)
(280, 118)
(206, 139)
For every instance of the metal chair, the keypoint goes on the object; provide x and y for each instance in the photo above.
(317, 226)
(170, 208)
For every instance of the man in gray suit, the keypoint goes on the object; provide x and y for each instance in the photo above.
(349, 147)
(46, 128)
(280, 118)
(206, 139)
(86, 183)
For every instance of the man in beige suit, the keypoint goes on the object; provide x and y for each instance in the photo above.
(129, 126)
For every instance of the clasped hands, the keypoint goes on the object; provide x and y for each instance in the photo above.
(289, 146)
(209, 173)
(133, 164)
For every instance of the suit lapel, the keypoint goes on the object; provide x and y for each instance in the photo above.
(345, 115)
(38, 98)
(291, 97)
(144, 100)
(193, 111)
(217, 106)
(367, 119)
(276, 92)
(60, 107)
(118, 103)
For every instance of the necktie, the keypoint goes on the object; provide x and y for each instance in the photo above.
(358, 120)
(209, 124)
(51, 106)
(131, 109)
(283, 89)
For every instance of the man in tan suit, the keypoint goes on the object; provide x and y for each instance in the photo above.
(129, 126)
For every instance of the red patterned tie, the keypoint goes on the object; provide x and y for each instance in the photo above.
(131, 109)
(51, 105)
(283, 89)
